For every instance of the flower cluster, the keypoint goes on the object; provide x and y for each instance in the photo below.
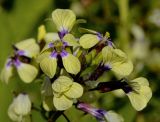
(69, 66)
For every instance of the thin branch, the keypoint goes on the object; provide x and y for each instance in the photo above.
(66, 117)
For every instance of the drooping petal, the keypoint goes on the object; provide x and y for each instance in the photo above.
(6, 72)
(146, 92)
(29, 46)
(75, 91)
(138, 101)
(62, 84)
(70, 39)
(122, 68)
(49, 65)
(71, 63)
(117, 60)
(63, 19)
(141, 85)
(111, 116)
(88, 40)
(141, 81)
(62, 103)
(27, 72)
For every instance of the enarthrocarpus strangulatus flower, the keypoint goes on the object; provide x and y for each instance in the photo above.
(56, 49)
(73, 66)
(24, 51)
(100, 114)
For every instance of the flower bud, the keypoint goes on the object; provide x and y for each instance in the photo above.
(20, 107)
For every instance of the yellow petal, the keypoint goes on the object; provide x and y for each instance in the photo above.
(71, 64)
(111, 116)
(146, 92)
(75, 91)
(22, 104)
(108, 54)
(41, 33)
(88, 40)
(70, 39)
(62, 84)
(141, 93)
(141, 81)
(6, 73)
(122, 68)
(120, 54)
(111, 55)
(64, 19)
(43, 55)
(138, 101)
(49, 66)
(27, 72)
(62, 103)
(141, 85)
(50, 37)
(12, 115)
(30, 47)
(117, 60)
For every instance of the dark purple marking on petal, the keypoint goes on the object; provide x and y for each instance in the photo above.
(63, 53)
(98, 113)
(65, 43)
(107, 67)
(100, 37)
(17, 62)
(20, 52)
(126, 87)
(101, 111)
(54, 54)
(50, 45)
(110, 43)
(62, 33)
(9, 63)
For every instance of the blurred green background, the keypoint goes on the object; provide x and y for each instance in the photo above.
(134, 26)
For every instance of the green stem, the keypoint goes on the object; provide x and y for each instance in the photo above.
(55, 116)
(66, 117)
(123, 29)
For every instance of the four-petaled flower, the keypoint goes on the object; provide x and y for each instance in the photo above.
(65, 91)
(56, 49)
(24, 51)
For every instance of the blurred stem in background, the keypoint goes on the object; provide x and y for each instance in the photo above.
(123, 33)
